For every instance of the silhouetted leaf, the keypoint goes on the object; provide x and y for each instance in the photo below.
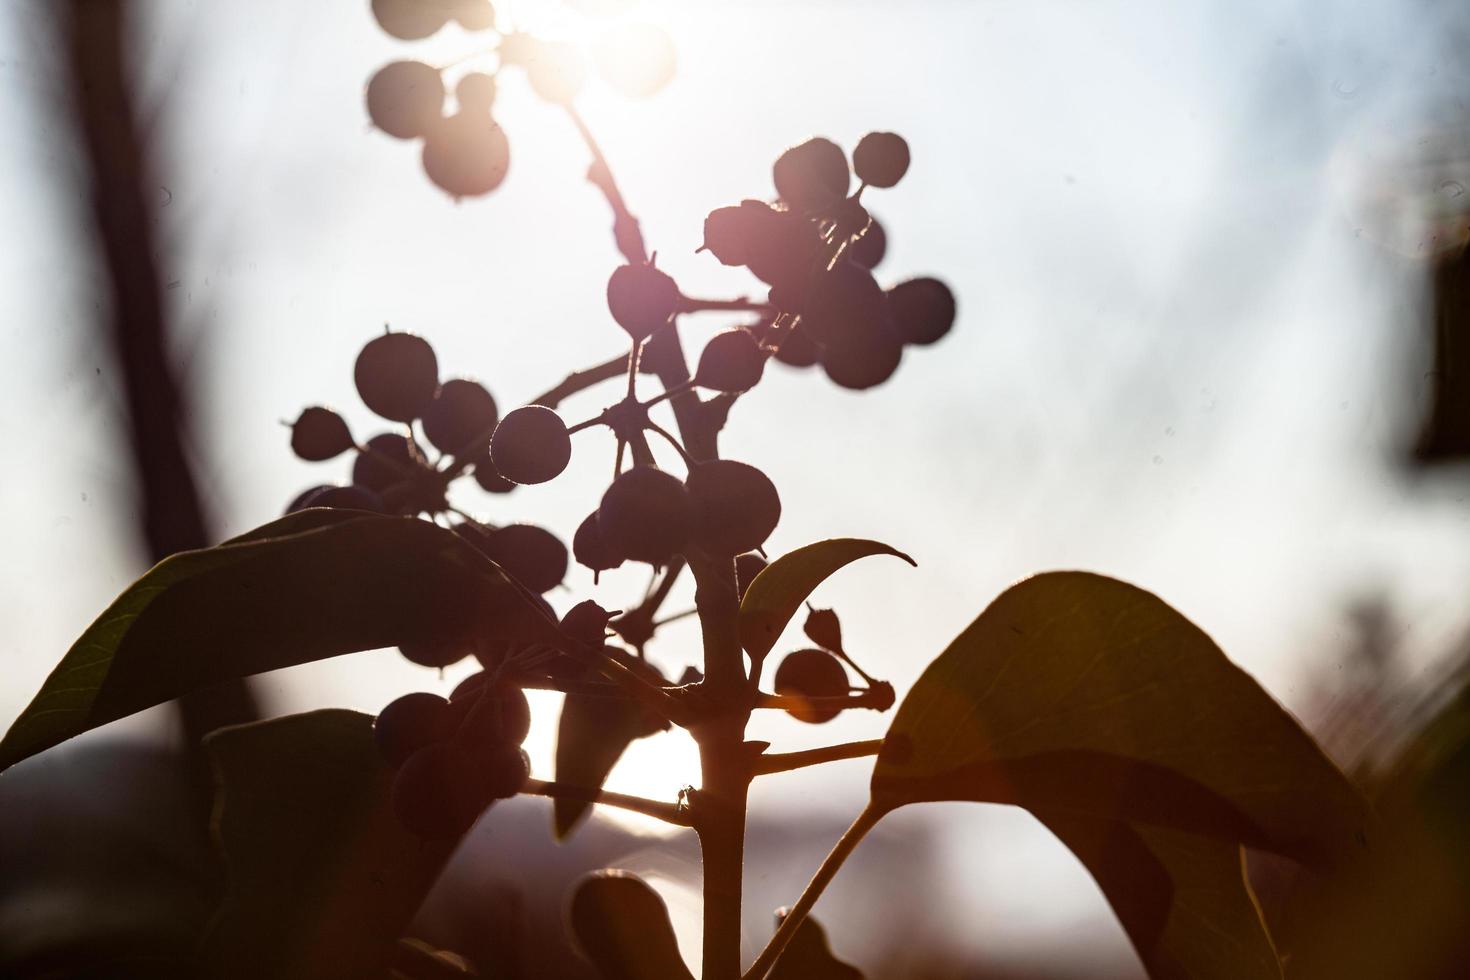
(203, 617)
(809, 956)
(321, 878)
(1124, 728)
(623, 927)
(298, 522)
(783, 585)
(591, 736)
(1182, 898)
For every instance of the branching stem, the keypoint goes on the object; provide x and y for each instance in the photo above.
(773, 762)
(667, 812)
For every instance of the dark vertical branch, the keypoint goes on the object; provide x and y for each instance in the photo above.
(172, 515)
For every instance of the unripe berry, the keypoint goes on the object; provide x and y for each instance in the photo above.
(320, 433)
(396, 375)
(736, 506)
(410, 20)
(646, 515)
(747, 567)
(406, 99)
(824, 629)
(461, 418)
(531, 445)
(641, 299)
(440, 791)
(388, 460)
(467, 155)
(591, 550)
(732, 361)
(812, 176)
(411, 722)
(811, 674)
(922, 309)
(881, 159)
(475, 92)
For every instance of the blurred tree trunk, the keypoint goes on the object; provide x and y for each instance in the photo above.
(1445, 433)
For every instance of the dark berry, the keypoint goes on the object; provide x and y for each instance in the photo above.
(475, 15)
(868, 249)
(305, 498)
(587, 622)
(320, 433)
(514, 635)
(531, 445)
(797, 349)
(506, 770)
(881, 159)
(591, 550)
(437, 653)
(922, 309)
(783, 252)
(461, 418)
(440, 791)
(411, 722)
(410, 20)
(736, 506)
(747, 567)
(865, 357)
(396, 375)
(388, 460)
(635, 59)
(488, 478)
(556, 70)
(641, 299)
(811, 674)
(729, 232)
(731, 361)
(349, 498)
(824, 629)
(475, 92)
(812, 176)
(406, 99)
(506, 717)
(531, 555)
(467, 155)
(846, 300)
(646, 515)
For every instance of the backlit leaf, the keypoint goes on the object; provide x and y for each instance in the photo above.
(256, 604)
(783, 585)
(809, 956)
(623, 927)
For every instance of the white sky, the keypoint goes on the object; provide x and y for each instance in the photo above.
(1178, 358)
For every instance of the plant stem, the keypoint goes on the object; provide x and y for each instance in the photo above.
(840, 852)
(879, 697)
(720, 823)
(786, 761)
(667, 812)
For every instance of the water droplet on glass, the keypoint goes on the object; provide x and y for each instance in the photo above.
(1451, 188)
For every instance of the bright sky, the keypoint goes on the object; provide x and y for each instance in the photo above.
(1179, 358)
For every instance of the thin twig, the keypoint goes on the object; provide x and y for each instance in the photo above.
(786, 761)
(667, 812)
(879, 697)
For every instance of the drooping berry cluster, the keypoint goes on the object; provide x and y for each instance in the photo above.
(465, 151)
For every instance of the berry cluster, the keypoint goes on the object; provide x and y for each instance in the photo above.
(817, 673)
(466, 152)
(454, 757)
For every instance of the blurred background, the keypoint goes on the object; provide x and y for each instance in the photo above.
(1209, 266)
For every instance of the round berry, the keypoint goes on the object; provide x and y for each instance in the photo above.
(506, 770)
(440, 791)
(846, 300)
(304, 499)
(406, 99)
(396, 375)
(505, 718)
(728, 232)
(881, 159)
(436, 653)
(590, 548)
(475, 92)
(531, 445)
(461, 418)
(747, 567)
(320, 433)
(411, 20)
(811, 674)
(467, 155)
(488, 478)
(411, 722)
(824, 629)
(475, 15)
(783, 252)
(642, 298)
(736, 506)
(922, 309)
(531, 555)
(812, 176)
(732, 361)
(635, 59)
(555, 70)
(587, 622)
(864, 358)
(350, 498)
(797, 349)
(388, 460)
(868, 249)
(646, 515)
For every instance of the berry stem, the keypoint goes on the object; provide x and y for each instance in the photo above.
(879, 697)
(626, 231)
(772, 762)
(743, 304)
(654, 427)
(667, 812)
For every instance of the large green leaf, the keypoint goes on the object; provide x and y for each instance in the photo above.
(782, 586)
(261, 603)
(623, 927)
(1126, 730)
(321, 879)
(591, 736)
